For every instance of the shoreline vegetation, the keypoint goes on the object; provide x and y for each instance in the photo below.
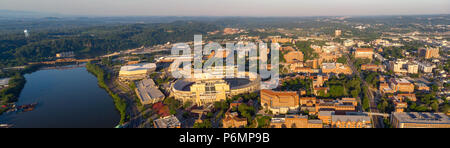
(119, 103)
(16, 84)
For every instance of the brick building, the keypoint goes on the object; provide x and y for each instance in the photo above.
(280, 102)
(364, 53)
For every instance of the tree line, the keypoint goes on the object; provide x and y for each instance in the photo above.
(87, 42)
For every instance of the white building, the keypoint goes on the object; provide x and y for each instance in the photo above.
(4, 82)
(413, 68)
(426, 67)
(136, 71)
(148, 92)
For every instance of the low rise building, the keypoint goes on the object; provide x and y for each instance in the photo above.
(320, 91)
(400, 106)
(167, 122)
(401, 85)
(383, 85)
(349, 43)
(232, 120)
(279, 39)
(336, 68)
(136, 71)
(406, 96)
(280, 102)
(308, 70)
(295, 121)
(293, 57)
(422, 87)
(350, 121)
(325, 116)
(148, 92)
(65, 54)
(365, 53)
(341, 106)
(370, 67)
(4, 82)
(419, 120)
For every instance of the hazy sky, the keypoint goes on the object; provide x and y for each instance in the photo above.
(230, 7)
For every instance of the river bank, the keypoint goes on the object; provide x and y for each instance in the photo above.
(66, 97)
(120, 104)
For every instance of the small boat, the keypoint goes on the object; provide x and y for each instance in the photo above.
(27, 108)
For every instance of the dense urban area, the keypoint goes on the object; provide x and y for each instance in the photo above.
(335, 72)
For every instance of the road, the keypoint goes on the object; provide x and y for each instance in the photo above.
(132, 109)
(373, 106)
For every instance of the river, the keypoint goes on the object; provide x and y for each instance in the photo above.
(67, 98)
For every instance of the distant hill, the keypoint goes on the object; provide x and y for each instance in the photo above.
(26, 14)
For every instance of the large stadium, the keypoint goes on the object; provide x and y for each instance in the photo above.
(208, 90)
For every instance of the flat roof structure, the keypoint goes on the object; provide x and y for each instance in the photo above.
(352, 118)
(167, 122)
(421, 117)
(4, 81)
(148, 92)
(138, 67)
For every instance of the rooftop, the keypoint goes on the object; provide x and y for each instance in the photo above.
(401, 81)
(137, 67)
(280, 93)
(352, 118)
(148, 90)
(4, 81)
(167, 122)
(326, 113)
(421, 117)
(364, 50)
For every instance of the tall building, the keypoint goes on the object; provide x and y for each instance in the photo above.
(280, 102)
(397, 66)
(426, 67)
(419, 120)
(337, 33)
(403, 66)
(429, 52)
(413, 68)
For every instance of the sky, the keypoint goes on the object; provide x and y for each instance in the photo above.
(230, 7)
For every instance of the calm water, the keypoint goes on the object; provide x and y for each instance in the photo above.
(66, 98)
